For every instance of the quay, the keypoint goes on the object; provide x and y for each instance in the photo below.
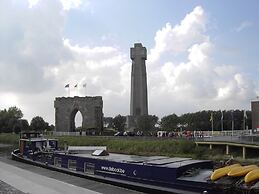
(29, 182)
(20, 178)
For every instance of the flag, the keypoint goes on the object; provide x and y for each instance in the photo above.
(222, 116)
(245, 116)
(232, 115)
(84, 85)
(75, 86)
(67, 86)
(211, 117)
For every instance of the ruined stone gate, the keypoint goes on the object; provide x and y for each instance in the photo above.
(66, 108)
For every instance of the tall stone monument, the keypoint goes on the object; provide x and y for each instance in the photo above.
(138, 97)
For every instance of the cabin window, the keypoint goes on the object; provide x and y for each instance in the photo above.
(72, 164)
(89, 168)
(57, 162)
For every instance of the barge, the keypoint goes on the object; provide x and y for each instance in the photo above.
(154, 174)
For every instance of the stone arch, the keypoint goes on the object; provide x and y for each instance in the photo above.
(91, 109)
(72, 118)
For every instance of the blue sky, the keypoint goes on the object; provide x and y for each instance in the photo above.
(201, 54)
(125, 22)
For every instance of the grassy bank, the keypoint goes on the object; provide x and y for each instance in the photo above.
(8, 138)
(136, 146)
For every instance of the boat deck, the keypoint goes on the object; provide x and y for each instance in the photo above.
(164, 161)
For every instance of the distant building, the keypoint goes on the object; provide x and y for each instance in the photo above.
(255, 113)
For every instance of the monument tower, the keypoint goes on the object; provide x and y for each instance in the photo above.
(138, 98)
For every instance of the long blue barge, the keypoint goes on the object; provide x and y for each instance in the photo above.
(154, 174)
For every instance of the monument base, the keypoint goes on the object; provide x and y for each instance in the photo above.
(131, 123)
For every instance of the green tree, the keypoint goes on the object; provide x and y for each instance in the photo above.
(146, 122)
(38, 124)
(108, 122)
(119, 122)
(9, 119)
(169, 122)
(15, 113)
(21, 125)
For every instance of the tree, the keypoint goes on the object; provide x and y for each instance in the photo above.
(146, 122)
(169, 122)
(108, 122)
(119, 122)
(15, 113)
(38, 124)
(51, 128)
(21, 125)
(201, 120)
(9, 119)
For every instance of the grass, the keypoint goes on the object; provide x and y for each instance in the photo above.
(9, 138)
(137, 146)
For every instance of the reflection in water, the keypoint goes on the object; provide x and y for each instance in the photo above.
(5, 150)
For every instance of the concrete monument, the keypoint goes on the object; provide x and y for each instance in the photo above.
(91, 109)
(138, 97)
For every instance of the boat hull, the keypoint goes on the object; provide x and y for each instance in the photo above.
(118, 177)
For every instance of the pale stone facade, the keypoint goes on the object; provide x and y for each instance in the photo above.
(91, 109)
(255, 113)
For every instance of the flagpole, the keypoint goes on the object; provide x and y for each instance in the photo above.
(232, 123)
(68, 90)
(85, 88)
(212, 126)
(244, 120)
(222, 117)
(211, 119)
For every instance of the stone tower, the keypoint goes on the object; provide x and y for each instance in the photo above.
(138, 98)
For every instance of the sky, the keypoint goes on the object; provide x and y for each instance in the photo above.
(202, 55)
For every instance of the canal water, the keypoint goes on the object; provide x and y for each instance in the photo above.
(5, 150)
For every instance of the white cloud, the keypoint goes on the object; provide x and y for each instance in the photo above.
(198, 83)
(70, 4)
(244, 25)
(32, 3)
(66, 4)
(37, 61)
(181, 36)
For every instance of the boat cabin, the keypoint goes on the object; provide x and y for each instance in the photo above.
(32, 142)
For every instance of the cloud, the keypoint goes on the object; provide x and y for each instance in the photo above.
(66, 4)
(244, 25)
(37, 61)
(198, 83)
(70, 4)
(181, 36)
(30, 40)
